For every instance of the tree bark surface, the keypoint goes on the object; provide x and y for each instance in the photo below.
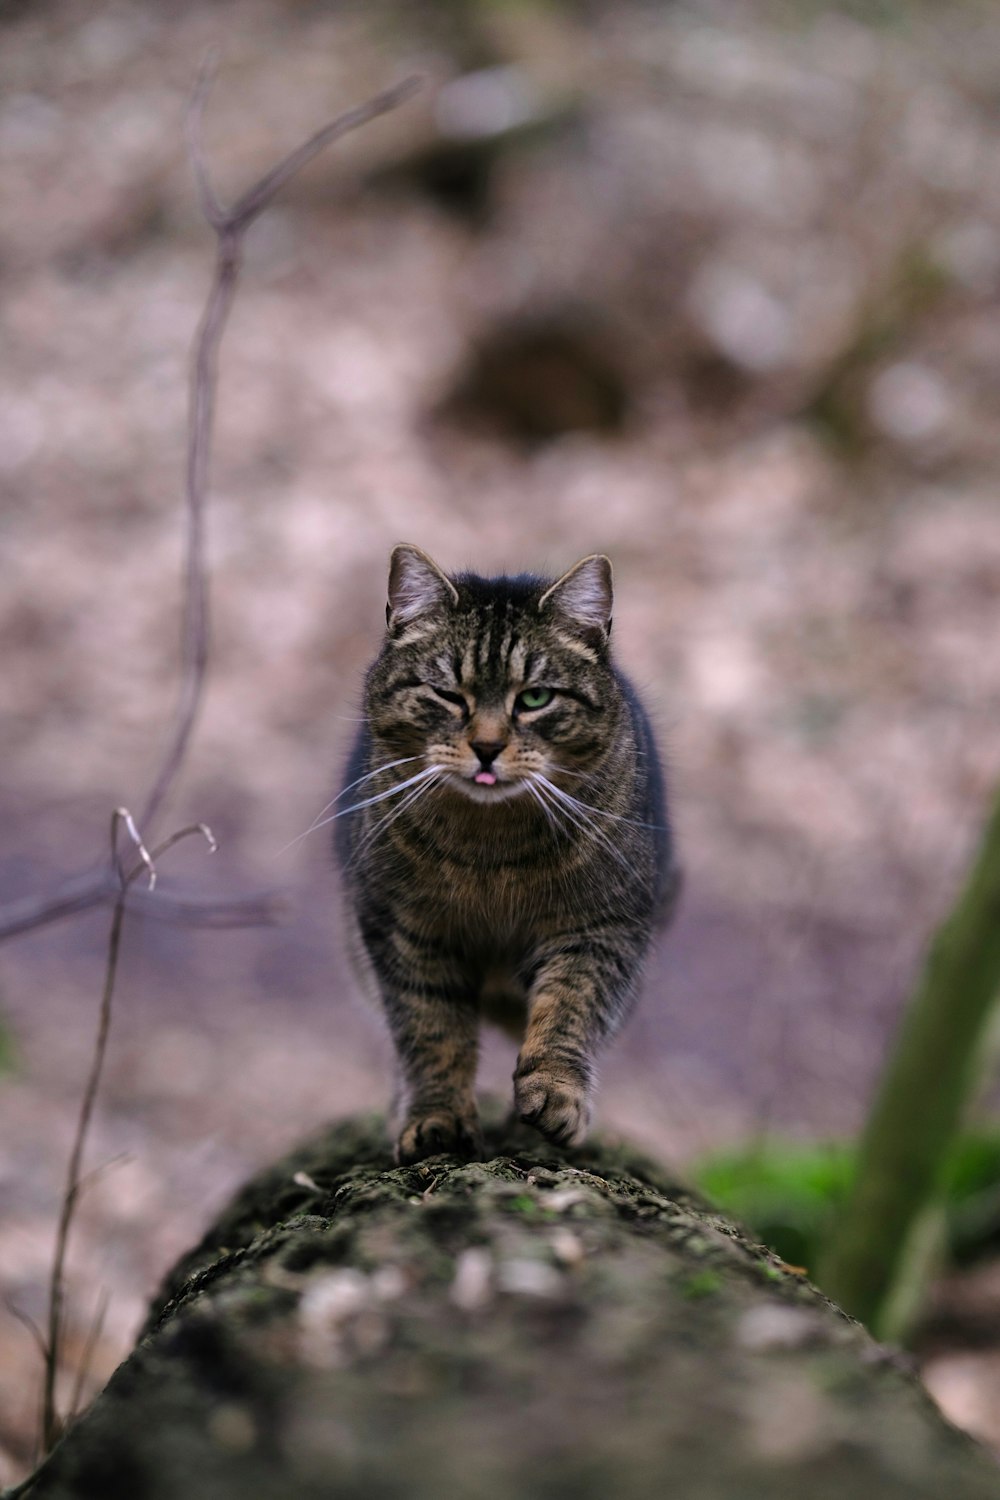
(564, 1325)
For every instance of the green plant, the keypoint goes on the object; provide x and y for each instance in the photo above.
(893, 1226)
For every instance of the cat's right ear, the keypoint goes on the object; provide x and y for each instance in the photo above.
(417, 586)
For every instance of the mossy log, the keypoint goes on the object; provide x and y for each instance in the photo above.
(543, 1324)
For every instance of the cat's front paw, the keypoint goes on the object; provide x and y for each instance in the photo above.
(439, 1131)
(555, 1105)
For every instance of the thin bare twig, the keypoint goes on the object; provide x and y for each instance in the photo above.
(186, 833)
(257, 198)
(114, 880)
(241, 911)
(91, 1178)
(209, 204)
(122, 815)
(96, 887)
(87, 1356)
(26, 1321)
(52, 1423)
(230, 226)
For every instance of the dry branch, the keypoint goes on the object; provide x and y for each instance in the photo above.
(112, 880)
(99, 886)
(52, 1423)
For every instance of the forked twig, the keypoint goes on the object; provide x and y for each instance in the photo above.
(52, 1423)
(94, 887)
(113, 881)
(122, 815)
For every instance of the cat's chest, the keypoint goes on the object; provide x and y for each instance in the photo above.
(506, 892)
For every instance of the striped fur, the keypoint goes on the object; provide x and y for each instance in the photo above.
(518, 881)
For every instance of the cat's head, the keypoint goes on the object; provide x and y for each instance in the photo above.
(497, 681)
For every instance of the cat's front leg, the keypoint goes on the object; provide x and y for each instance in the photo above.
(436, 1038)
(581, 993)
(430, 1005)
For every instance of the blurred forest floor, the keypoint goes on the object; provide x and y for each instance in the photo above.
(712, 288)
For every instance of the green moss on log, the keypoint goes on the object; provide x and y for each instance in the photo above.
(546, 1323)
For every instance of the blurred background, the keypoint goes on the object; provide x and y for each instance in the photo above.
(709, 287)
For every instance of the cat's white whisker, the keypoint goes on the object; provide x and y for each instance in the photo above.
(546, 809)
(389, 766)
(560, 819)
(572, 807)
(392, 791)
(600, 812)
(586, 808)
(317, 821)
(390, 817)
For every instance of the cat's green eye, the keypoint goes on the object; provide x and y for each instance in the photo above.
(534, 697)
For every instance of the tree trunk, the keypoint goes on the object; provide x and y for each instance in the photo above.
(543, 1324)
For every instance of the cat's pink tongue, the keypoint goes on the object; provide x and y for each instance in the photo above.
(485, 778)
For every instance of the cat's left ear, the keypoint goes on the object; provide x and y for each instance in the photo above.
(584, 596)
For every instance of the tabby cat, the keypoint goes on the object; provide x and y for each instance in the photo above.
(506, 855)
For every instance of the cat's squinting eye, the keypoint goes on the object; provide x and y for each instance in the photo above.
(535, 697)
(449, 697)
